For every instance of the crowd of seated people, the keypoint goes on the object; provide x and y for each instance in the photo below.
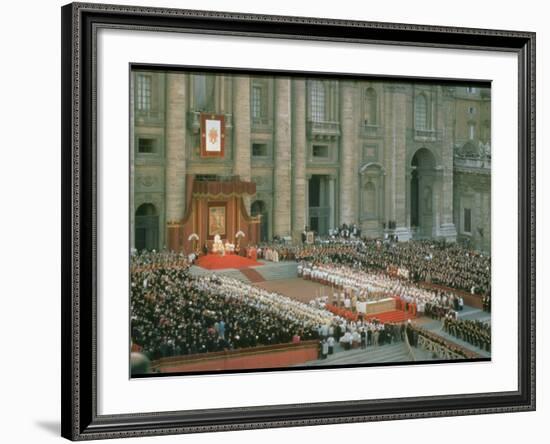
(360, 285)
(149, 260)
(472, 331)
(174, 313)
(443, 263)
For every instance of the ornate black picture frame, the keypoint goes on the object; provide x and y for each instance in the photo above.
(80, 419)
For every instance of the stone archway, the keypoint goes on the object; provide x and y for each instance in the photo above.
(371, 200)
(422, 193)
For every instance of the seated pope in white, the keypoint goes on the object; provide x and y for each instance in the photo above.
(217, 246)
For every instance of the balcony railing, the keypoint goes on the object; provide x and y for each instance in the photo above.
(149, 116)
(465, 163)
(371, 130)
(261, 124)
(194, 121)
(426, 135)
(325, 130)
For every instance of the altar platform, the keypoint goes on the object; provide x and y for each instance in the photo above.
(214, 261)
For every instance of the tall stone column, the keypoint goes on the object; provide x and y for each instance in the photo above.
(349, 154)
(408, 178)
(400, 143)
(398, 183)
(176, 107)
(241, 130)
(446, 126)
(299, 148)
(132, 165)
(281, 173)
(331, 201)
(308, 178)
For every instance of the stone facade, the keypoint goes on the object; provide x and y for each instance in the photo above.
(410, 159)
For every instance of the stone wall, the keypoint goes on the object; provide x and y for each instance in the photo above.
(362, 147)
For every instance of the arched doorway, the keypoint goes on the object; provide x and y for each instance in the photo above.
(258, 208)
(422, 193)
(147, 227)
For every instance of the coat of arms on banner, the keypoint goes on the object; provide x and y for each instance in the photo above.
(212, 135)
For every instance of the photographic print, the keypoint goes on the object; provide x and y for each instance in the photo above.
(292, 221)
(319, 207)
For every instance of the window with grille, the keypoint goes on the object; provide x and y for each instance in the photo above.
(259, 150)
(421, 112)
(256, 102)
(146, 146)
(204, 90)
(143, 92)
(317, 101)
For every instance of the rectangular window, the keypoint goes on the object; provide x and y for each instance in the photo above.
(320, 151)
(146, 146)
(259, 150)
(256, 102)
(467, 220)
(204, 90)
(421, 112)
(317, 101)
(143, 92)
(471, 90)
(471, 110)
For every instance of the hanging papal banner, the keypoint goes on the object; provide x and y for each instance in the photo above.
(212, 135)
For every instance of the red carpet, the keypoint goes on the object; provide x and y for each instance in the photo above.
(252, 275)
(391, 316)
(217, 262)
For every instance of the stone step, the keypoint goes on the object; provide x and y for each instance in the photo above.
(396, 352)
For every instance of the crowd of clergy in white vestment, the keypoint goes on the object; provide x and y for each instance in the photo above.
(174, 313)
(443, 263)
(359, 286)
(447, 264)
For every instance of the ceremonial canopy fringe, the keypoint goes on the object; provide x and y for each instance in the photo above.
(218, 188)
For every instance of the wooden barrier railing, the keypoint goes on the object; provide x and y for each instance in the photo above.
(441, 347)
(269, 356)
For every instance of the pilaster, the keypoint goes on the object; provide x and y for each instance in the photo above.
(282, 170)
